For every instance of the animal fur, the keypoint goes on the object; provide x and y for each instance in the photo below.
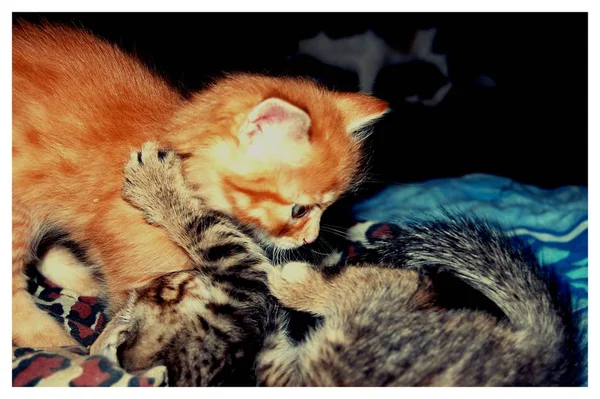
(80, 105)
(206, 324)
(381, 324)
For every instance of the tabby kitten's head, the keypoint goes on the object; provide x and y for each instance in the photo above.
(274, 152)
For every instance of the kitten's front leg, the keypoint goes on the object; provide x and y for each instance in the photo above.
(302, 287)
(299, 286)
(154, 183)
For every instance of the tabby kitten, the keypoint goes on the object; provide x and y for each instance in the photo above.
(207, 324)
(381, 326)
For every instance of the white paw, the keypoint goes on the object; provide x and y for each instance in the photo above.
(358, 233)
(294, 272)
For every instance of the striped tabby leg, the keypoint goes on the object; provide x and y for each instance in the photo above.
(205, 325)
(31, 326)
(155, 185)
(299, 286)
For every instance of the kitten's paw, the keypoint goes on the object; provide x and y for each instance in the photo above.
(299, 286)
(295, 272)
(373, 234)
(358, 233)
(281, 278)
(152, 175)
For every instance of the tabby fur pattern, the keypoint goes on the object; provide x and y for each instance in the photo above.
(381, 324)
(207, 324)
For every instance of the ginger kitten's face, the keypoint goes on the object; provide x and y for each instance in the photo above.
(276, 151)
(285, 202)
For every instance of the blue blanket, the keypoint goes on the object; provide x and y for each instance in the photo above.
(554, 222)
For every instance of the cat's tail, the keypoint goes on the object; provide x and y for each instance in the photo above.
(498, 266)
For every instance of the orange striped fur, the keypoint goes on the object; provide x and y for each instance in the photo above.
(80, 105)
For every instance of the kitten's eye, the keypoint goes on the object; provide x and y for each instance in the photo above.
(298, 211)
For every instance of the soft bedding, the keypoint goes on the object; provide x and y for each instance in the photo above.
(553, 222)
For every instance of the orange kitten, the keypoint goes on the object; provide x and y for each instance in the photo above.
(273, 152)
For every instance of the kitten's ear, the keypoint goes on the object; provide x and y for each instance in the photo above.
(275, 120)
(360, 110)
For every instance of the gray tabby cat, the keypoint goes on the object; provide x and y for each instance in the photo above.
(206, 325)
(381, 325)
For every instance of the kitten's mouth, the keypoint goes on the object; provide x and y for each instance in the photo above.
(267, 241)
(285, 243)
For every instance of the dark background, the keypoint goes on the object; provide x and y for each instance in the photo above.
(530, 127)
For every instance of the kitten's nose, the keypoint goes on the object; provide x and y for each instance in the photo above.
(310, 240)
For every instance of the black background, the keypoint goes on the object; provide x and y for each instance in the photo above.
(531, 127)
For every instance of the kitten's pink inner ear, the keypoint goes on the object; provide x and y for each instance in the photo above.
(275, 119)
